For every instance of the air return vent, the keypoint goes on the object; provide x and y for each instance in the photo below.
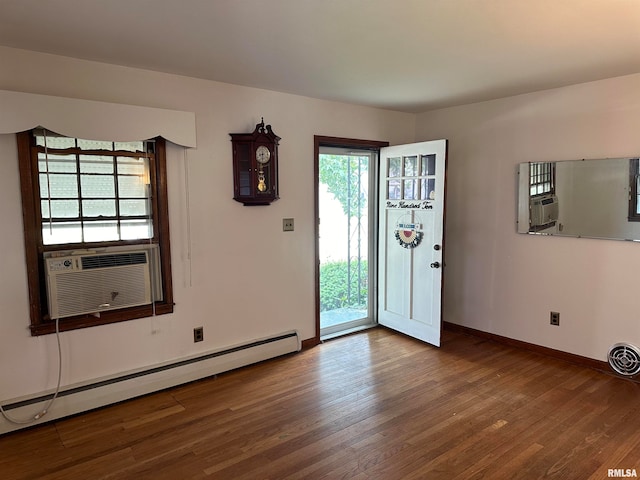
(624, 358)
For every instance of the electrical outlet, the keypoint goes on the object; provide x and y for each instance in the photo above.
(554, 318)
(198, 334)
(287, 224)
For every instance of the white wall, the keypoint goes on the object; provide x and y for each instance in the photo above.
(246, 278)
(506, 283)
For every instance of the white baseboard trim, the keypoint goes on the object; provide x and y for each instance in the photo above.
(97, 393)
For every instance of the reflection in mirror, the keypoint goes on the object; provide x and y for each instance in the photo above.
(580, 198)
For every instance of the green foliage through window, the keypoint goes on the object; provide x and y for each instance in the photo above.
(343, 285)
(346, 178)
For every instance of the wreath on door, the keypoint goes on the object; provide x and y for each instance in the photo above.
(408, 234)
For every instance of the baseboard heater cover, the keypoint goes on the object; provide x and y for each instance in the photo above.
(83, 397)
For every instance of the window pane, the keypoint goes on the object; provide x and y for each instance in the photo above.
(410, 189)
(52, 141)
(62, 185)
(136, 229)
(83, 186)
(96, 164)
(393, 189)
(132, 187)
(98, 186)
(411, 166)
(130, 146)
(94, 145)
(57, 163)
(60, 208)
(130, 208)
(97, 208)
(395, 167)
(427, 165)
(132, 166)
(57, 233)
(428, 189)
(100, 231)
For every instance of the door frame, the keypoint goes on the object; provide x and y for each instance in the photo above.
(340, 142)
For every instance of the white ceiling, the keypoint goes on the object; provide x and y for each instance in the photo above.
(407, 55)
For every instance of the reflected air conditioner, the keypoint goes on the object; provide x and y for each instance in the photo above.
(92, 283)
(543, 210)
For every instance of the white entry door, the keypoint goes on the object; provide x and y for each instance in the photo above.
(411, 226)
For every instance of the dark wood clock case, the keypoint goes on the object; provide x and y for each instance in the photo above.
(255, 183)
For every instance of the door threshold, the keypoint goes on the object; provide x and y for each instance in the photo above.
(347, 331)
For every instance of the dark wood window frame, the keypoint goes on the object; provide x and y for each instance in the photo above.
(41, 323)
(634, 194)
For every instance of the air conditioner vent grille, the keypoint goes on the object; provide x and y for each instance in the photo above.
(115, 260)
(90, 284)
(624, 358)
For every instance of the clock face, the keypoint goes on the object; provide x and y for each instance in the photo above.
(262, 154)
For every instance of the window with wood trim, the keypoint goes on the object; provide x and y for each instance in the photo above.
(93, 196)
(542, 178)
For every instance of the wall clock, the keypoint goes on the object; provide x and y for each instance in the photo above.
(255, 166)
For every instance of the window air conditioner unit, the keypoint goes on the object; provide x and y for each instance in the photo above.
(543, 210)
(93, 283)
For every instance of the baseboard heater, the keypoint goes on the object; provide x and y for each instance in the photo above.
(87, 396)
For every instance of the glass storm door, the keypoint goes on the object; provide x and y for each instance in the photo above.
(345, 180)
(411, 227)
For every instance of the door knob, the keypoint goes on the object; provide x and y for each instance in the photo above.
(435, 265)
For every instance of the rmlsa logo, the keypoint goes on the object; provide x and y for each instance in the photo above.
(622, 472)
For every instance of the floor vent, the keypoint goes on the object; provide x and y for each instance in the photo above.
(624, 358)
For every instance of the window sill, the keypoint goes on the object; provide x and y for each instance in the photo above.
(85, 321)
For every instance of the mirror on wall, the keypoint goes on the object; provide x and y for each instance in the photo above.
(580, 198)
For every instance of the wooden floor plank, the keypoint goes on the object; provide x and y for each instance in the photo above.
(376, 405)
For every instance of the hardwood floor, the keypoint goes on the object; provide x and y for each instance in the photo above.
(376, 405)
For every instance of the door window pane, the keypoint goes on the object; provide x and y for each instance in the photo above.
(395, 167)
(427, 165)
(394, 189)
(428, 189)
(410, 190)
(411, 166)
